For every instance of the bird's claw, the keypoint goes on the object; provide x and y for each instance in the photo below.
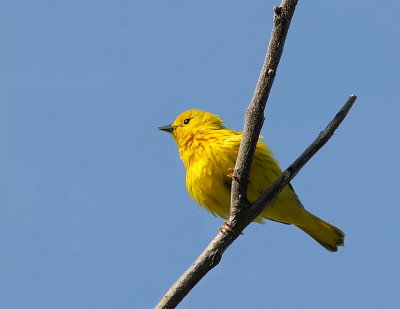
(232, 174)
(225, 228)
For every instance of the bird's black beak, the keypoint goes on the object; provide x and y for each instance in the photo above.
(167, 128)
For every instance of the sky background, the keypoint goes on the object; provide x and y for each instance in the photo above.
(93, 207)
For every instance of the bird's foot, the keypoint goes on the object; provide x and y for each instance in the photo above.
(232, 174)
(225, 228)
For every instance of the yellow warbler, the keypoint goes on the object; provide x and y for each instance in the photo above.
(209, 150)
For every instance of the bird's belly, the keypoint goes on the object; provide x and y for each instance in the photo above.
(208, 187)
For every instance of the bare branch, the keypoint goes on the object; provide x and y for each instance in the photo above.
(211, 256)
(255, 112)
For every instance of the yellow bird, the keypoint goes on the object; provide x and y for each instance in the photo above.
(209, 150)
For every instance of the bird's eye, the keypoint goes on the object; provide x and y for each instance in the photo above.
(186, 121)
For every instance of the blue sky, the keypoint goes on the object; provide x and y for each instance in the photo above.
(93, 207)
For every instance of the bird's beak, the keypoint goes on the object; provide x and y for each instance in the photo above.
(167, 128)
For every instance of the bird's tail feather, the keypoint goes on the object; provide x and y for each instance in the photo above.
(327, 235)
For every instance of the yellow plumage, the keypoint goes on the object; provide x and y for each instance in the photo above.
(209, 150)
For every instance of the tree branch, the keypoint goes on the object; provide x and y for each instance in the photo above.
(255, 112)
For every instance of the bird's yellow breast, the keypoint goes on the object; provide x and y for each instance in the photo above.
(207, 160)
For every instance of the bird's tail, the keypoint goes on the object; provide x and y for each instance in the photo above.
(327, 235)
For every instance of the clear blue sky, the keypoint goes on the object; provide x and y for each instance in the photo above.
(93, 207)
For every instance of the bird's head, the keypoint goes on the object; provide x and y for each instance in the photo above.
(190, 122)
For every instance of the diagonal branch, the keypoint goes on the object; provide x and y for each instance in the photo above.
(255, 112)
(265, 199)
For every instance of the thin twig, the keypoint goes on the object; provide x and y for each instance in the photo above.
(211, 256)
(265, 199)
